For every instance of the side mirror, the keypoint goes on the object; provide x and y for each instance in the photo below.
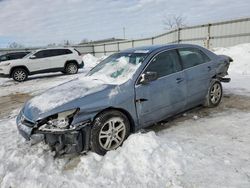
(148, 77)
(32, 57)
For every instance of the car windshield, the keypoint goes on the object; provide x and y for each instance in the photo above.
(3, 58)
(118, 68)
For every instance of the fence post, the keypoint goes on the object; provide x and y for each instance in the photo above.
(152, 40)
(208, 35)
(93, 47)
(178, 35)
(118, 46)
(132, 43)
(104, 46)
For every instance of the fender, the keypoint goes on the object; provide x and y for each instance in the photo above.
(21, 66)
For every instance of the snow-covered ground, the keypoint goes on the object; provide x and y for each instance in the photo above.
(203, 148)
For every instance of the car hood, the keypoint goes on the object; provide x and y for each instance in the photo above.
(77, 93)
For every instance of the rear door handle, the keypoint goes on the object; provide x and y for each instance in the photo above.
(140, 100)
(179, 80)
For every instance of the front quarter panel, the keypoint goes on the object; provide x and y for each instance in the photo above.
(119, 97)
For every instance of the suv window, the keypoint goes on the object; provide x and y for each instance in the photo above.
(42, 54)
(191, 57)
(53, 52)
(165, 63)
(3, 58)
(62, 52)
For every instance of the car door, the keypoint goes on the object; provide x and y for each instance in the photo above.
(164, 96)
(40, 61)
(197, 67)
(65, 55)
(58, 59)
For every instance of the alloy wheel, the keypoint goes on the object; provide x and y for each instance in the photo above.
(20, 75)
(215, 93)
(112, 133)
(72, 69)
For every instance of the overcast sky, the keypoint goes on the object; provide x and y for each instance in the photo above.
(40, 22)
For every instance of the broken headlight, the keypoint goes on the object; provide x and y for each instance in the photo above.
(59, 122)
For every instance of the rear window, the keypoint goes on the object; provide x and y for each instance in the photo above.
(57, 52)
(192, 57)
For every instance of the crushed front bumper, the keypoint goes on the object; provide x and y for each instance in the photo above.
(62, 141)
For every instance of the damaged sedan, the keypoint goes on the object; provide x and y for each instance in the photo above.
(125, 92)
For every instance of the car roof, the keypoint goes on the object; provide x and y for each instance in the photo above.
(56, 48)
(149, 49)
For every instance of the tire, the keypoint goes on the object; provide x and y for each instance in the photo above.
(71, 68)
(109, 131)
(214, 95)
(19, 74)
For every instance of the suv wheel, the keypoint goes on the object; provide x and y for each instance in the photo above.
(71, 68)
(215, 94)
(19, 74)
(109, 131)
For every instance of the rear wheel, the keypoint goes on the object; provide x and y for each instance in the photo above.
(19, 74)
(71, 68)
(109, 131)
(215, 94)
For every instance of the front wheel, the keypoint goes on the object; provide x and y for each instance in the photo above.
(19, 74)
(215, 94)
(109, 131)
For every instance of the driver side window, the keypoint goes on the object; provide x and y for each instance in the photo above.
(165, 63)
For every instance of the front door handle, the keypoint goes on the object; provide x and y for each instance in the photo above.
(140, 100)
(209, 68)
(179, 80)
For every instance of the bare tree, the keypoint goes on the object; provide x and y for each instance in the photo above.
(85, 40)
(52, 45)
(15, 45)
(66, 42)
(172, 22)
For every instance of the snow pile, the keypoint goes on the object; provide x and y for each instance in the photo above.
(239, 70)
(241, 57)
(208, 152)
(116, 72)
(66, 92)
(152, 163)
(90, 61)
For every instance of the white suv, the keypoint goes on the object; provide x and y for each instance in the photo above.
(66, 60)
